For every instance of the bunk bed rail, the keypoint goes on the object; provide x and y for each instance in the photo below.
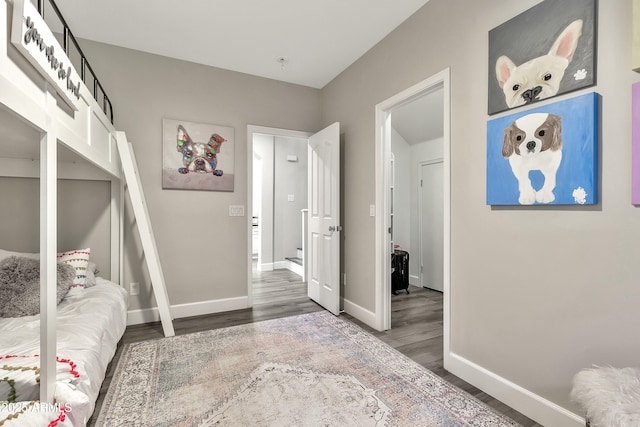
(69, 39)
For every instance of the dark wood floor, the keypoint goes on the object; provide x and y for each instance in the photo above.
(416, 328)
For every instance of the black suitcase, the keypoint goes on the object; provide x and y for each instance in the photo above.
(399, 271)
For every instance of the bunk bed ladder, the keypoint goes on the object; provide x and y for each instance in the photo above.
(132, 179)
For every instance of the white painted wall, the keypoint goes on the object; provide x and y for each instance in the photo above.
(264, 149)
(419, 153)
(290, 179)
(406, 209)
(280, 219)
(402, 191)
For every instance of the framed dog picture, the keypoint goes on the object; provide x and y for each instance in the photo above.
(545, 51)
(197, 156)
(545, 155)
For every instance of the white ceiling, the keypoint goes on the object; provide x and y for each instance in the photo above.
(319, 38)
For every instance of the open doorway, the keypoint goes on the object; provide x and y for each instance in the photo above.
(315, 219)
(278, 196)
(436, 154)
(417, 131)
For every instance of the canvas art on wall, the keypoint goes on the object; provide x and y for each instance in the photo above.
(545, 51)
(635, 150)
(545, 155)
(197, 156)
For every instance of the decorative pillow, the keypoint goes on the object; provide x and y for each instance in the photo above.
(20, 285)
(79, 260)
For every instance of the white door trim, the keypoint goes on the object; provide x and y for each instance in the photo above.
(251, 130)
(383, 150)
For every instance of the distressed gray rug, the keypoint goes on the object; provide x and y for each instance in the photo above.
(308, 370)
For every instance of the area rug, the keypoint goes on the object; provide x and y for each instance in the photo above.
(309, 370)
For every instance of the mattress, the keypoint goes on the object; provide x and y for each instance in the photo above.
(89, 326)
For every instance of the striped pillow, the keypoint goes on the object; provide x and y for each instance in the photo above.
(79, 260)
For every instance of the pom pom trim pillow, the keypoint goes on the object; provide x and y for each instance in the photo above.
(79, 260)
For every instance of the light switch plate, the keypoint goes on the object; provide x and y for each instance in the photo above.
(236, 210)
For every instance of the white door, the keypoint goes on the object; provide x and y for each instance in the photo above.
(323, 234)
(432, 226)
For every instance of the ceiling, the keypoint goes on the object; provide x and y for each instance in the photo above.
(318, 38)
(421, 119)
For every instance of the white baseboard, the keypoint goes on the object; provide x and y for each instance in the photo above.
(526, 402)
(288, 265)
(279, 265)
(178, 311)
(265, 266)
(415, 281)
(296, 268)
(360, 313)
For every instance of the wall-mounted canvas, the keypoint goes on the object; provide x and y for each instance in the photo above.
(635, 150)
(197, 156)
(545, 51)
(545, 155)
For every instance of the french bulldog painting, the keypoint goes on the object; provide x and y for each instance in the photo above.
(540, 77)
(197, 156)
(545, 51)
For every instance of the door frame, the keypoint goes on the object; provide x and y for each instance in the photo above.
(251, 130)
(382, 172)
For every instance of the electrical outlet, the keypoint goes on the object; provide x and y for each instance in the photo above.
(134, 288)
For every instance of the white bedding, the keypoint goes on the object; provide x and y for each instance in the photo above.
(89, 326)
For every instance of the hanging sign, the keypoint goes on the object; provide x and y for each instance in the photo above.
(33, 38)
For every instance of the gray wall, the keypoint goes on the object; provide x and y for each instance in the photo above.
(203, 251)
(575, 303)
(83, 217)
(290, 179)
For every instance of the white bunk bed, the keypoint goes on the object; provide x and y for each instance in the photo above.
(58, 130)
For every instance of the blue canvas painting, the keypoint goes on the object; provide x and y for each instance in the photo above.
(545, 156)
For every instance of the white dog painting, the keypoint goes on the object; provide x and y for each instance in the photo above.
(545, 51)
(540, 77)
(534, 142)
(546, 155)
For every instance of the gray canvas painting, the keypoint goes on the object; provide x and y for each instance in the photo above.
(545, 51)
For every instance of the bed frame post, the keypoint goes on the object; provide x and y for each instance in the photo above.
(116, 223)
(141, 213)
(48, 260)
